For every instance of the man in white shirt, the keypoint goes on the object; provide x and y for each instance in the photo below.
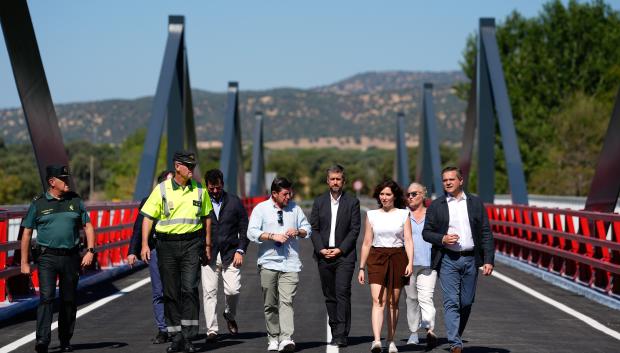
(335, 223)
(458, 227)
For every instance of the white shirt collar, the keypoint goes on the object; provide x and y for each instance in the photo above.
(334, 201)
(450, 198)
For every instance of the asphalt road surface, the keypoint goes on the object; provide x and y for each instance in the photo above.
(504, 319)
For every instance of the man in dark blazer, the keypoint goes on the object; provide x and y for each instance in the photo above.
(458, 227)
(335, 221)
(229, 226)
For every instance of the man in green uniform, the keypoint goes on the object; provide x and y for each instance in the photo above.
(57, 216)
(180, 206)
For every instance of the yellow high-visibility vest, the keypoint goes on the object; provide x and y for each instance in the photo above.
(177, 209)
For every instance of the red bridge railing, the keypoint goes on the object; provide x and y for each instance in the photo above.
(113, 223)
(578, 245)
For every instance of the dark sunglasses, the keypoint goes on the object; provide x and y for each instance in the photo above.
(280, 218)
(189, 166)
(413, 194)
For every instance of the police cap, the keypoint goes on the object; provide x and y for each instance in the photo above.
(185, 157)
(57, 171)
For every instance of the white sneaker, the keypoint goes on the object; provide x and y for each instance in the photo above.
(392, 348)
(287, 346)
(413, 338)
(376, 347)
(273, 345)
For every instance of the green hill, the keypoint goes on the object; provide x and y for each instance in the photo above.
(358, 110)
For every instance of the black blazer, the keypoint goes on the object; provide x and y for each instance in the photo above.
(347, 225)
(436, 226)
(135, 244)
(230, 231)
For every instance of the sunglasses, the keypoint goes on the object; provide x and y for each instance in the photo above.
(280, 217)
(414, 194)
(189, 166)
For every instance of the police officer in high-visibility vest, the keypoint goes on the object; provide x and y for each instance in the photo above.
(183, 231)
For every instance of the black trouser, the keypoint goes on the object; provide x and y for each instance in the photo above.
(179, 268)
(336, 278)
(66, 268)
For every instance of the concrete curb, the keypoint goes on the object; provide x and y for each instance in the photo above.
(559, 281)
(24, 305)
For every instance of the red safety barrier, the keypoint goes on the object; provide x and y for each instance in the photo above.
(582, 246)
(113, 223)
(250, 202)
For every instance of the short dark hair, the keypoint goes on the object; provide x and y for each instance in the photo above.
(280, 183)
(459, 174)
(213, 176)
(164, 175)
(399, 195)
(336, 168)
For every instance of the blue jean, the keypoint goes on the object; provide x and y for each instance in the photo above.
(458, 275)
(157, 290)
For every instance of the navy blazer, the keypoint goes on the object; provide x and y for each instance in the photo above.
(229, 231)
(436, 226)
(347, 225)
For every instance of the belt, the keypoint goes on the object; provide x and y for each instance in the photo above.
(177, 237)
(461, 253)
(59, 251)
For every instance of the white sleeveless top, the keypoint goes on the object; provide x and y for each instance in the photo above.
(388, 227)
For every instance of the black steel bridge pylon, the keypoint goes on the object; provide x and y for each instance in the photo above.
(32, 86)
(173, 100)
(231, 161)
(488, 96)
(428, 168)
(257, 181)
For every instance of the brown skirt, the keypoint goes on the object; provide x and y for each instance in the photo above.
(386, 266)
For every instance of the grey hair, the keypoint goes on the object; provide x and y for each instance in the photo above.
(336, 168)
(421, 186)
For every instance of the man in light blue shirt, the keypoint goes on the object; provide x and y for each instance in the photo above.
(276, 225)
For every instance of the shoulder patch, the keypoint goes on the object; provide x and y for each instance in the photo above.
(38, 197)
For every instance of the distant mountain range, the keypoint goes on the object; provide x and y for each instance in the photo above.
(357, 112)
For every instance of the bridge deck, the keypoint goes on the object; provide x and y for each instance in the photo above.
(504, 319)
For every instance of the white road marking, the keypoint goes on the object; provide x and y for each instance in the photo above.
(99, 303)
(586, 319)
(329, 348)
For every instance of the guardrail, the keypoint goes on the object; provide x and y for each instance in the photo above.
(578, 245)
(113, 223)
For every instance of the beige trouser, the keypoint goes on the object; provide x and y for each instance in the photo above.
(420, 306)
(279, 289)
(231, 277)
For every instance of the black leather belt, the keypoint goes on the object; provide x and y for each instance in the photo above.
(461, 253)
(59, 251)
(177, 237)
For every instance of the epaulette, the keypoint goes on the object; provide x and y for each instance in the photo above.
(38, 197)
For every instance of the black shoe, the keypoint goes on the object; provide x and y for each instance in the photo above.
(175, 347)
(189, 348)
(162, 337)
(232, 324)
(211, 337)
(66, 348)
(339, 341)
(40, 347)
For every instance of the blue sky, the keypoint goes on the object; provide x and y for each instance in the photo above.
(94, 50)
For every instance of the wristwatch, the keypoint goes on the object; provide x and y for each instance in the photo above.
(91, 250)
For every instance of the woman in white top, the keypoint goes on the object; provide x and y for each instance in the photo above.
(388, 252)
